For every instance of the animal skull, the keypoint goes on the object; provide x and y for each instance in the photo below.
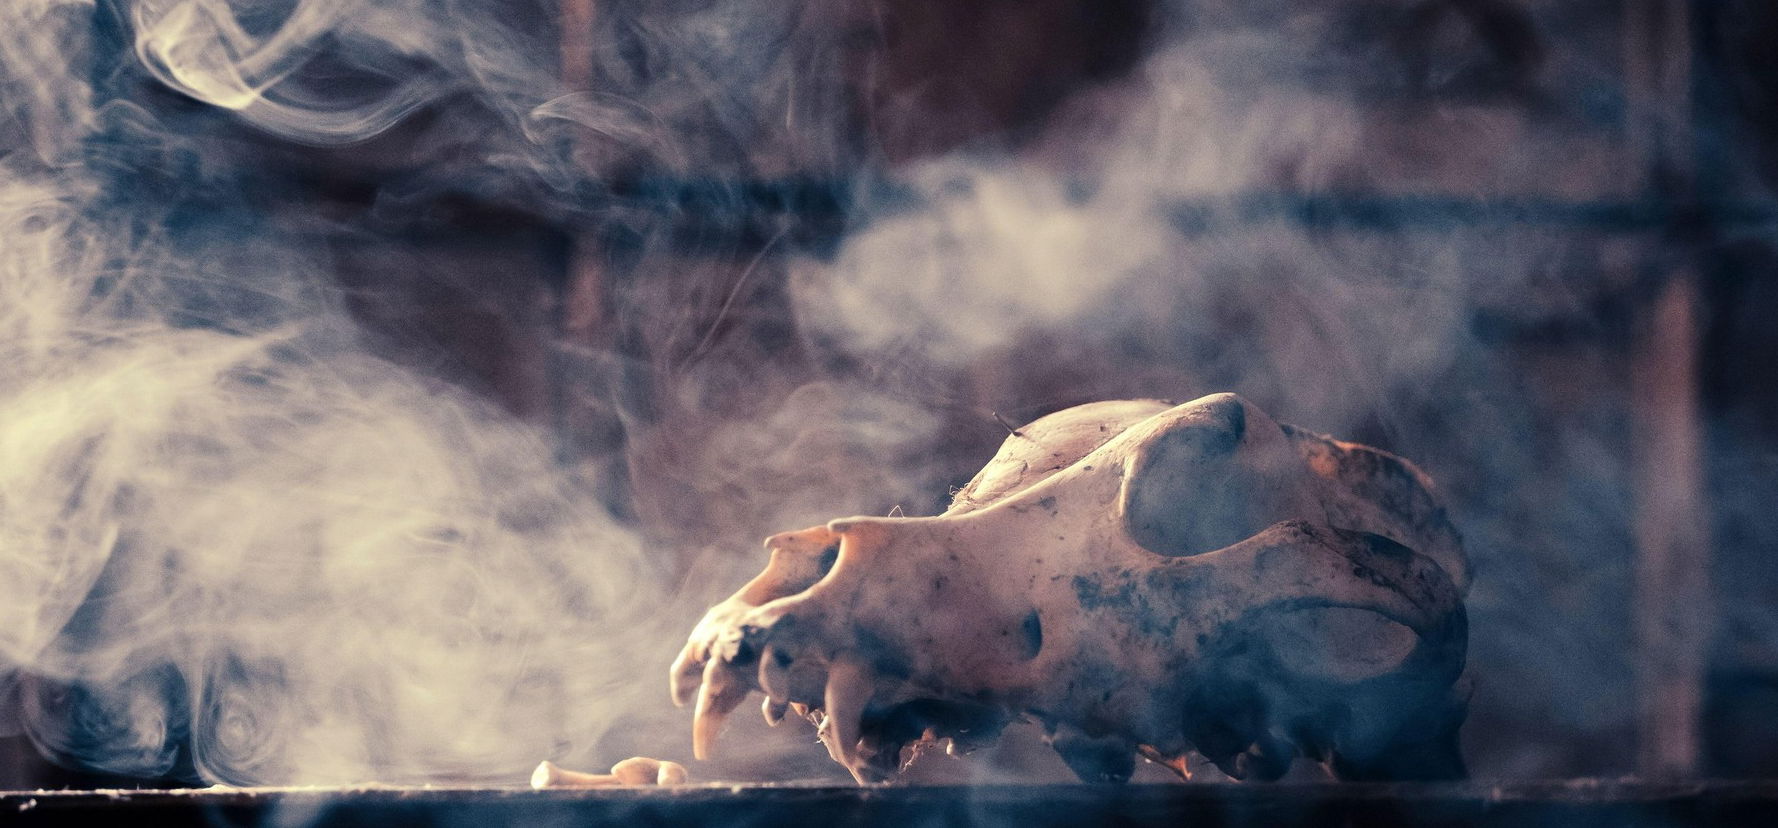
(1136, 576)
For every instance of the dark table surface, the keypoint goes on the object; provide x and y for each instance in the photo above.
(1569, 804)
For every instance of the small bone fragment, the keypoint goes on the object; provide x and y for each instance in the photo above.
(634, 771)
(641, 770)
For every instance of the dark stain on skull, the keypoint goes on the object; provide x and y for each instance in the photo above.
(1091, 685)
(1183, 587)
(1033, 635)
(885, 657)
(1118, 595)
(1047, 504)
(1088, 592)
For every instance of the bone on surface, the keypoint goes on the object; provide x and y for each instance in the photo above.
(634, 771)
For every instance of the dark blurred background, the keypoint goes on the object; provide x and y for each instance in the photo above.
(1530, 246)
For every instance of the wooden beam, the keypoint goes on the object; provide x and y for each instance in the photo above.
(1672, 598)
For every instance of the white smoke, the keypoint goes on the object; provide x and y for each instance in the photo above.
(224, 525)
(247, 56)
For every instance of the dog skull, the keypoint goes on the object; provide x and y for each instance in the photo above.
(1136, 576)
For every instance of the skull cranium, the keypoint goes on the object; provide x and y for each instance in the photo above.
(1138, 577)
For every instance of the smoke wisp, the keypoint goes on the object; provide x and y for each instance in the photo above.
(237, 546)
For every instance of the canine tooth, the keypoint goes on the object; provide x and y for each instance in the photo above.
(848, 691)
(718, 697)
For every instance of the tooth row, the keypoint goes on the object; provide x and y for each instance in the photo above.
(846, 694)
